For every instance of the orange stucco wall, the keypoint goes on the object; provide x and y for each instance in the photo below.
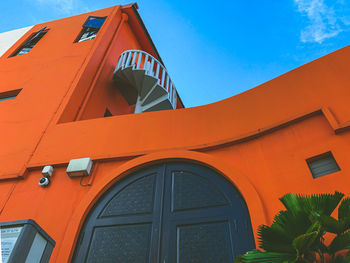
(259, 139)
(104, 94)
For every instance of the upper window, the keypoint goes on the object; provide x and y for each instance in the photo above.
(30, 43)
(90, 28)
(107, 113)
(322, 164)
(9, 95)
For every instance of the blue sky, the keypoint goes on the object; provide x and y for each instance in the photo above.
(214, 50)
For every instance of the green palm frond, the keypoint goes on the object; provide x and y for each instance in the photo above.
(344, 208)
(340, 242)
(340, 259)
(316, 226)
(257, 256)
(344, 214)
(323, 204)
(292, 224)
(297, 234)
(304, 242)
(274, 240)
(345, 223)
(292, 203)
(284, 229)
(330, 224)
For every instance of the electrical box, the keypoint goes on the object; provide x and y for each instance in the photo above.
(79, 167)
(24, 241)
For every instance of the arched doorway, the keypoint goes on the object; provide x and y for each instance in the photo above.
(172, 212)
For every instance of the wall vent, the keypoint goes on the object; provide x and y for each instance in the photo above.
(322, 164)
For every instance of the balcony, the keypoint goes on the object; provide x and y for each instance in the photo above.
(144, 81)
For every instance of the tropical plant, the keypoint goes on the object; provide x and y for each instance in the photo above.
(297, 234)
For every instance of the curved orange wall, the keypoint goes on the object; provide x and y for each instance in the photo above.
(259, 139)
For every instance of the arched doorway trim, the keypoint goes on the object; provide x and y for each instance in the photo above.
(247, 190)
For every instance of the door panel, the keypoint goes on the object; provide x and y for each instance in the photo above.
(192, 191)
(205, 243)
(124, 224)
(135, 198)
(210, 199)
(175, 212)
(126, 243)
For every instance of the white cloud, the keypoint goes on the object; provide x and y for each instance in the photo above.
(322, 20)
(62, 6)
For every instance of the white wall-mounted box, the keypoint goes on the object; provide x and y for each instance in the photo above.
(79, 167)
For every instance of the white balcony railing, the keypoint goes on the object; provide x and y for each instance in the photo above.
(141, 60)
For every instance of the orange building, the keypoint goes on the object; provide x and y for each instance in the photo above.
(167, 184)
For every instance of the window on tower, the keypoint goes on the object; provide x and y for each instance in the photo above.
(9, 95)
(90, 28)
(107, 113)
(30, 43)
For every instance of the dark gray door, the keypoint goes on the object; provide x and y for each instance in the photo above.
(168, 213)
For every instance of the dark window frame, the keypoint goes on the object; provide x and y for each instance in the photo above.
(90, 29)
(323, 156)
(31, 42)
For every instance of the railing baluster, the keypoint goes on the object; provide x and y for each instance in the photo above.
(139, 60)
(163, 76)
(157, 71)
(174, 102)
(128, 59)
(167, 83)
(170, 93)
(123, 60)
(145, 64)
(119, 62)
(133, 58)
(151, 67)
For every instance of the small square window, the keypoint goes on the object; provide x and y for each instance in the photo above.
(322, 164)
(30, 43)
(90, 28)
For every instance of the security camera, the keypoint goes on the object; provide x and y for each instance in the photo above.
(44, 181)
(47, 171)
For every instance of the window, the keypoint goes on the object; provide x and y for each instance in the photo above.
(90, 28)
(9, 95)
(30, 43)
(322, 164)
(107, 113)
